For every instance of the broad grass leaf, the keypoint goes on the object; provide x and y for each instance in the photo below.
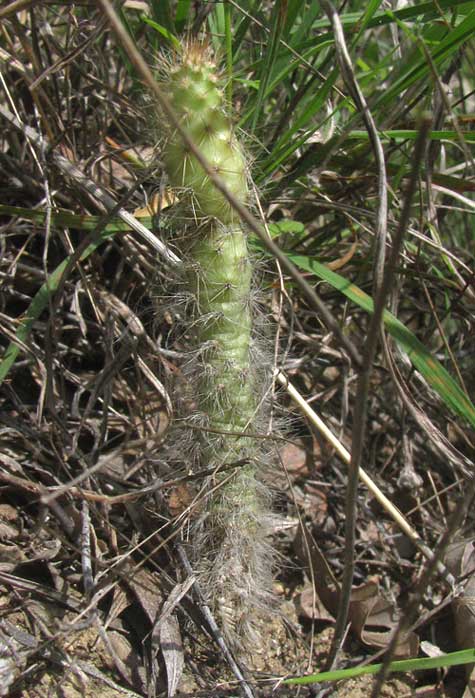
(422, 359)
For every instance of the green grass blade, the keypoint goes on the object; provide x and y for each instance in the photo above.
(411, 135)
(368, 15)
(162, 15)
(414, 70)
(125, 59)
(424, 663)
(70, 220)
(351, 20)
(243, 25)
(183, 10)
(40, 302)
(166, 33)
(220, 24)
(228, 40)
(429, 367)
(278, 23)
(283, 149)
(296, 9)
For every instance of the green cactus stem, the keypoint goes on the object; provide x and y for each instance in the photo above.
(228, 536)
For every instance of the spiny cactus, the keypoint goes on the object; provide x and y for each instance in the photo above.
(228, 536)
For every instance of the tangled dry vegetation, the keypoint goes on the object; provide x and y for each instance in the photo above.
(96, 592)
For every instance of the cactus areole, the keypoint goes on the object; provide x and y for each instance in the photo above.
(228, 536)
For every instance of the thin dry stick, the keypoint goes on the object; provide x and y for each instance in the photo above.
(85, 539)
(381, 289)
(14, 7)
(245, 686)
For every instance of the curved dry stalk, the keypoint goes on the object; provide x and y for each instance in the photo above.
(381, 289)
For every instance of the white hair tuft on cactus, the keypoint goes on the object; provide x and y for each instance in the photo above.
(228, 536)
